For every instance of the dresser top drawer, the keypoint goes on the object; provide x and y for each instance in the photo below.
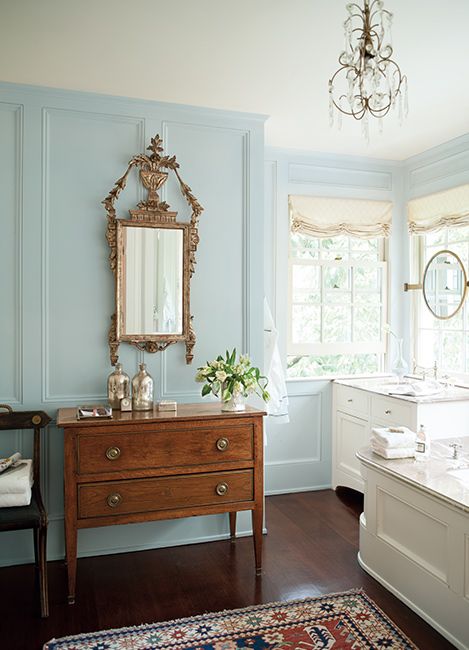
(111, 452)
(114, 498)
(352, 400)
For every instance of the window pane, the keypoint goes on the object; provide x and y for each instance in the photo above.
(321, 365)
(306, 324)
(437, 238)
(302, 246)
(452, 351)
(428, 348)
(366, 278)
(337, 277)
(305, 276)
(337, 324)
(366, 324)
(364, 249)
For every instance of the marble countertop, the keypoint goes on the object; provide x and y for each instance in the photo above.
(382, 386)
(431, 476)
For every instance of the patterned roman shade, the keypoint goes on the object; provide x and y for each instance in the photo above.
(320, 216)
(435, 211)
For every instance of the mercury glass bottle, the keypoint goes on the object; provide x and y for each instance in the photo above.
(142, 390)
(118, 386)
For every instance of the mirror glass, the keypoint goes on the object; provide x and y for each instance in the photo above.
(444, 284)
(153, 281)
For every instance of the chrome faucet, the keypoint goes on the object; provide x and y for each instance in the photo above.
(456, 447)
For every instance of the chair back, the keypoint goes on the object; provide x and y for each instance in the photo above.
(35, 420)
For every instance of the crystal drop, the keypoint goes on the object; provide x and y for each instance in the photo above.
(380, 124)
(339, 121)
(400, 109)
(406, 98)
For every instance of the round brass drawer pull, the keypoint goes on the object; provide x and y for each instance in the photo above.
(223, 444)
(113, 453)
(36, 419)
(113, 500)
(221, 489)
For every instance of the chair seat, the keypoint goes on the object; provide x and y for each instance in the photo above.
(21, 516)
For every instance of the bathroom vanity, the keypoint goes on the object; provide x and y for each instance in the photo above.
(414, 534)
(358, 405)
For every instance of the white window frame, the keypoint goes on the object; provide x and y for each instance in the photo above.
(308, 349)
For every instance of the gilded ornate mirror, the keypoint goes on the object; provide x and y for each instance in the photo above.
(444, 284)
(152, 258)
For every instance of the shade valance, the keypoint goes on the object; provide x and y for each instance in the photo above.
(328, 217)
(435, 211)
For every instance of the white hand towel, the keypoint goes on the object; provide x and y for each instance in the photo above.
(15, 500)
(394, 439)
(18, 479)
(277, 406)
(393, 453)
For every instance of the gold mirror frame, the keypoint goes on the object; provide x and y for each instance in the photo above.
(463, 297)
(154, 170)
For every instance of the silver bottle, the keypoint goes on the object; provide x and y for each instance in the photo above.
(118, 386)
(142, 390)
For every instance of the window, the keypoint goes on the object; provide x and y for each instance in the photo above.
(337, 305)
(443, 341)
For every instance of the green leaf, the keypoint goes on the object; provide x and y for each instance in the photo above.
(206, 389)
(226, 395)
(233, 356)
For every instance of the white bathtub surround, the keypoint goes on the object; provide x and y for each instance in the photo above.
(359, 405)
(414, 534)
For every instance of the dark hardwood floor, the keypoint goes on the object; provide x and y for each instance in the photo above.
(310, 549)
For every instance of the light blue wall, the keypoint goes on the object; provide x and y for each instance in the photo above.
(60, 154)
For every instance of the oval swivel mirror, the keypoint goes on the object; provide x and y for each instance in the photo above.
(444, 284)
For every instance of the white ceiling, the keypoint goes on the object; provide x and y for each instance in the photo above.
(268, 56)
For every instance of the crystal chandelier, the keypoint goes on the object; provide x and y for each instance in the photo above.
(368, 81)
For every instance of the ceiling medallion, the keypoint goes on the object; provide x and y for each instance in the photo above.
(368, 81)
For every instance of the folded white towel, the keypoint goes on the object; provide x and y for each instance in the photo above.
(15, 500)
(17, 479)
(385, 452)
(394, 439)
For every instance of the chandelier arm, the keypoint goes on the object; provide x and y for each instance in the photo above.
(361, 11)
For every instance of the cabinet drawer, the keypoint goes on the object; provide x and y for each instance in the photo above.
(353, 400)
(388, 411)
(110, 452)
(113, 498)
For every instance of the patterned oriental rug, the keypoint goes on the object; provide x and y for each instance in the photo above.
(344, 621)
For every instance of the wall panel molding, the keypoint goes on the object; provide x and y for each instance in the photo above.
(188, 395)
(15, 398)
(48, 113)
(317, 174)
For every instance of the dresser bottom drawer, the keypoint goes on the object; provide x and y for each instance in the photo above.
(166, 493)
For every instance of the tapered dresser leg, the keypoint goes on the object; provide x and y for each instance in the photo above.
(232, 526)
(257, 518)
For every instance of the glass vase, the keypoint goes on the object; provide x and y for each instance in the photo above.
(235, 403)
(400, 367)
(142, 390)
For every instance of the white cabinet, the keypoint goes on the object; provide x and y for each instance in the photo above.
(357, 409)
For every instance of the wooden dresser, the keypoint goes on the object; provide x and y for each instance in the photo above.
(144, 466)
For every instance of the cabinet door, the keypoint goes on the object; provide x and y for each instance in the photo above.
(351, 433)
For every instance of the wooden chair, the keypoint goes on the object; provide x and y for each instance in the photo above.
(34, 515)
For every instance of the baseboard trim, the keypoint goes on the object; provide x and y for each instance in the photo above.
(307, 488)
(116, 550)
(439, 628)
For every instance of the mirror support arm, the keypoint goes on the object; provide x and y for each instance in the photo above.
(412, 287)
